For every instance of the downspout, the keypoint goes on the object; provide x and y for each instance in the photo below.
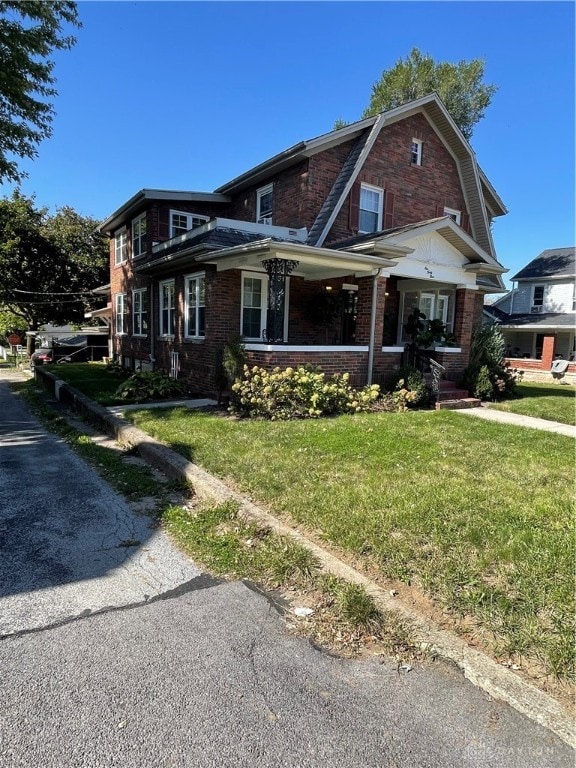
(372, 338)
(152, 329)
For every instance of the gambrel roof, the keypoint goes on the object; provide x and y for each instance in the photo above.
(478, 192)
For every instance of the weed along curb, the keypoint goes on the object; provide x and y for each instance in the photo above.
(498, 681)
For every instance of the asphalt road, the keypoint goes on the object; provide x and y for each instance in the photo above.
(128, 656)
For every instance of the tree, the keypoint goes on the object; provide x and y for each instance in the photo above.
(459, 86)
(49, 265)
(29, 32)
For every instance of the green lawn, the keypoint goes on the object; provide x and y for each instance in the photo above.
(90, 378)
(475, 513)
(554, 402)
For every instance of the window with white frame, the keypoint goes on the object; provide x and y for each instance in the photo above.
(120, 310)
(195, 306)
(454, 214)
(139, 312)
(434, 304)
(254, 304)
(139, 236)
(370, 213)
(166, 308)
(120, 245)
(264, 204)
(538, 296)
(416, 152)
(181, 222)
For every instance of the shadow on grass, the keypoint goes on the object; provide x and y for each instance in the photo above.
(527, 392)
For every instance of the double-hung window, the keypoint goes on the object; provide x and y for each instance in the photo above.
(264, 204)
(538, 296)
(416, 152)
(120, 246)
(254, 304)
(182, 221)
(195, 303)
(139, 236)
(167, 311)
(120, 310)
(139, 312)
(370, 214)
(434, 304)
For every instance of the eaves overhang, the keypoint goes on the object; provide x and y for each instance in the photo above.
(313, 263)
(137, 201)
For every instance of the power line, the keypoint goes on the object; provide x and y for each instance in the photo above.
(54, 293)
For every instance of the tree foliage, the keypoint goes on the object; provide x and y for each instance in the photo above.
(459, 86)
(29, 33)
(49, 264)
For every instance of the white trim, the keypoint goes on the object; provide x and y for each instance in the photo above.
(448, 350)
(311, 348)
(189, 217)
(142, 312)
(263, 277)
(260, 193)
(416, 152)
(454, 214)
(120, 314)
(161, 308)
(395, 350)
(120, 246)
(196, 277)
(380, 192)
(140, 237)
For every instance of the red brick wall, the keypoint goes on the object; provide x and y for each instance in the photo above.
(418, 190)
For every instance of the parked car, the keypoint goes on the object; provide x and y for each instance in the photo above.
(41, 356)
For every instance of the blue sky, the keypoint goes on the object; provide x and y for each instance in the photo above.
(187, 95)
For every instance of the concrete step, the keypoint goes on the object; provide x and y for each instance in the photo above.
(462, 402)
(453, 394)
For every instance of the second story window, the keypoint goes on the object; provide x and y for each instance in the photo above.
(454, 214)
(264, 205)
(139, 236)
(167, 317)
(416, 152)
(181, 222)
(370, 214)
(120, 244)
(538, 296)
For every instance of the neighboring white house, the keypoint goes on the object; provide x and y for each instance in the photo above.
(538, 315)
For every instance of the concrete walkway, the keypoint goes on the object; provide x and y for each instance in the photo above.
(491, 414)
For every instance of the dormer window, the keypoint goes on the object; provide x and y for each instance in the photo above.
(370, 213)
(416, 152)
(264, 204)
(182, 221)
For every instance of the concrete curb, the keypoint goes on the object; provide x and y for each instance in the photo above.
(499, 682)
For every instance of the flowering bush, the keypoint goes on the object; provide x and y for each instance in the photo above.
(298, 393)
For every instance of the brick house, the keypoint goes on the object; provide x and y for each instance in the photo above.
(538, 316)
(317, 255)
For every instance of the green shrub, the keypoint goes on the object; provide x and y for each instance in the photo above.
(298, 393)
(117, 369)
(488, 372)
(149, 385)
(410, 379)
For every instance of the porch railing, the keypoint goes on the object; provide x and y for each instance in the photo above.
(430, 369)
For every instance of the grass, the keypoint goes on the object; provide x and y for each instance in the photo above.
(92, 379)
(552, 402)
(223, 542)
(478, 515)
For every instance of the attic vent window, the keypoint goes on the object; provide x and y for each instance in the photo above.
(416, 152)
(454, 214)
(264, 205)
